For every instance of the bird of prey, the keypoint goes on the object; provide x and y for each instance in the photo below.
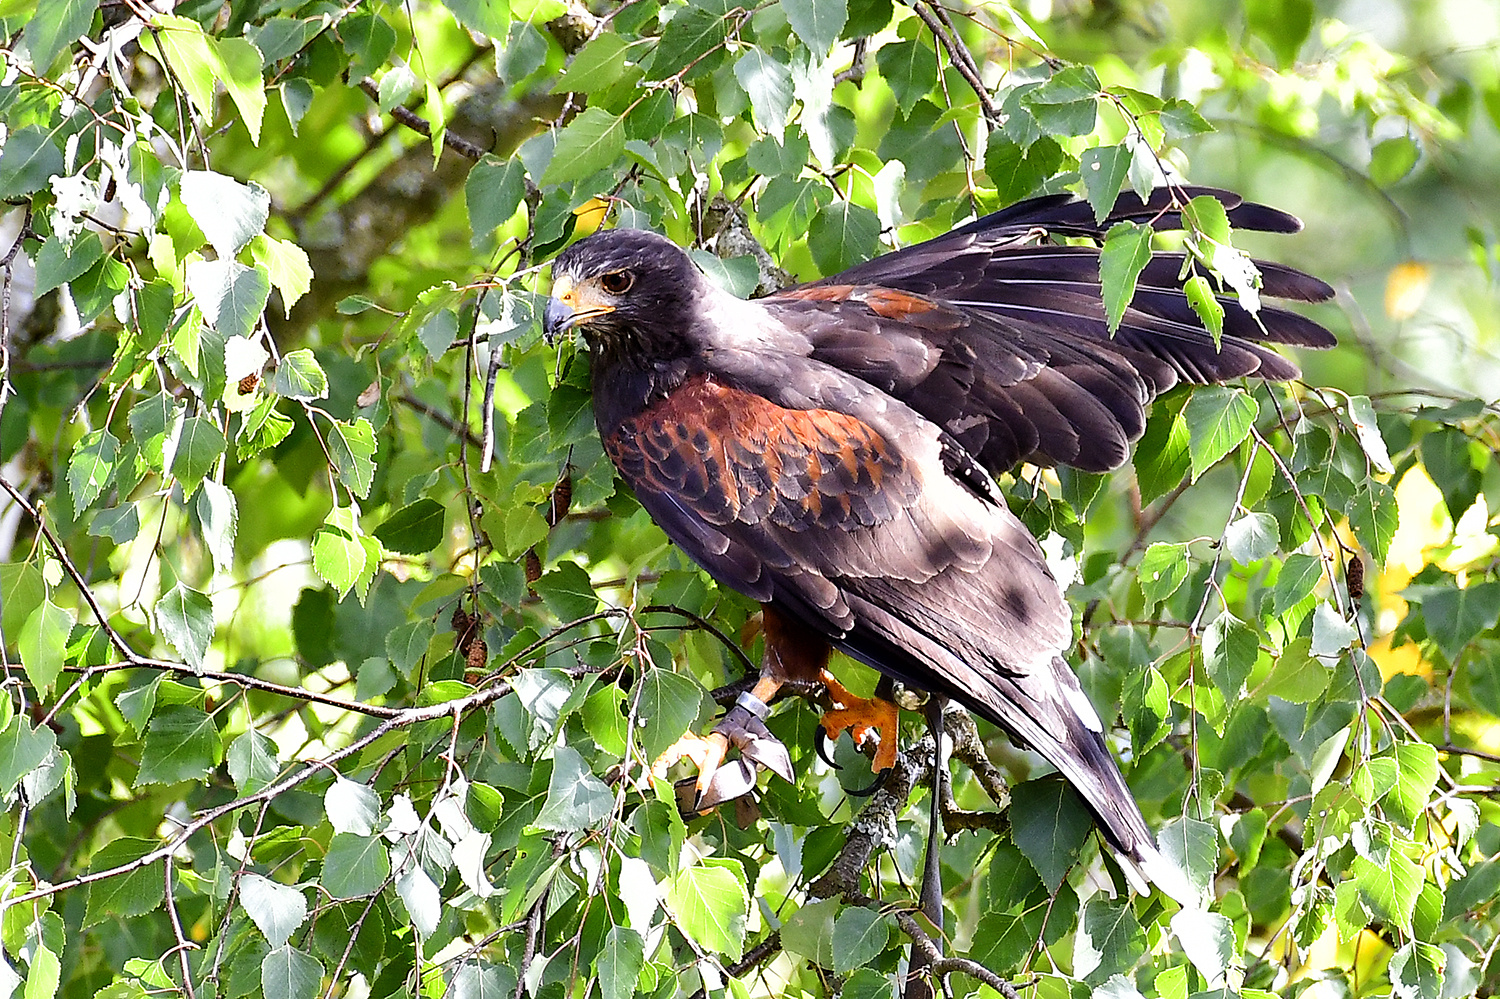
(829, 451)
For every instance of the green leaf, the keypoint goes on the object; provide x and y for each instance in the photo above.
(352, 807)
(1016, 171)
(1218, 419)
(260, 429)
(339, 554)
(252, 761)
(817, 22)
(1299, 576)
(29, 160)
(1417, 972)
(229, 213)
(1049, 826)
(414, 529)
(352, 447)
(486, 17)
(1109, 941)
(22, 750)
(1208, 939)
(1297, 675)
(1200, 295)
(483, 981)
(493, 192)
(181, 44)
(620, 962)
(1392, 159)
(1367, 430)
(567, 592)
(199, 447)
(1456, 617)
(276, 909)
(1065, 104)
(288, 973)
(186, 619)
(42, 641)
(1374, 516)
(1104, 169)
(710, 903)
(576, 799)
(1181, 120)
(1193, 846)
(1146, 705)
(438, 332)
(91, 467)
(842, 235)
(595, 67)
(56, 25)
(768, 82)
(286, 264)
(1416, 777)
(859, 936)
(1390, 890)
(1162, 570)
(218, 513)
(59, 263)
(230, 295)
(119, 524)
(1127, 250)
(133, 893)
(182, 743)
(588, 144)
(300, 376)
(356, 866)
(668, 703)
(911, 70)
(240, 62)
(1252, 537)
(1230, 648)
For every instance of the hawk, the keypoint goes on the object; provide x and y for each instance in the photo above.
(829, 451)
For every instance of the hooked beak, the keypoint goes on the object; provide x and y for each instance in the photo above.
(572, 303)
(558, 318)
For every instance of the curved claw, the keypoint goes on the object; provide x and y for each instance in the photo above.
(821, 744)
(733, 779)
(879, 782)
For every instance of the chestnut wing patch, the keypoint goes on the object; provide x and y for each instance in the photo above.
(734, 457)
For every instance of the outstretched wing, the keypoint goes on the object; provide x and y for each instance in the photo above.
(1002, 340)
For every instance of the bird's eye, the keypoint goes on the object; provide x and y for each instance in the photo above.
(617, 282)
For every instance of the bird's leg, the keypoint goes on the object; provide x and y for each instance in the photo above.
(930, 896)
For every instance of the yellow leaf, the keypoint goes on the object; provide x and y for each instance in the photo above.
(1405, 288)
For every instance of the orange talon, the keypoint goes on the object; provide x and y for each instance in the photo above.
(861, 715)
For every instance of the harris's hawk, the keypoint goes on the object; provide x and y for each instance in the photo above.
(829, 450)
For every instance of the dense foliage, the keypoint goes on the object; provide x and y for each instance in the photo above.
(337, 661)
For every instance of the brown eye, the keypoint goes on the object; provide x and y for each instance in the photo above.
(617, 282)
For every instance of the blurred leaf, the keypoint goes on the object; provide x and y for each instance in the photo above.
(1392, 159)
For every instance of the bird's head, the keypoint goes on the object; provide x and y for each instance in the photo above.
(630, 293)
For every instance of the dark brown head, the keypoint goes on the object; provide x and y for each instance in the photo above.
(632, 294)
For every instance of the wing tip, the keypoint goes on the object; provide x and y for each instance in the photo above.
(1148, 866)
